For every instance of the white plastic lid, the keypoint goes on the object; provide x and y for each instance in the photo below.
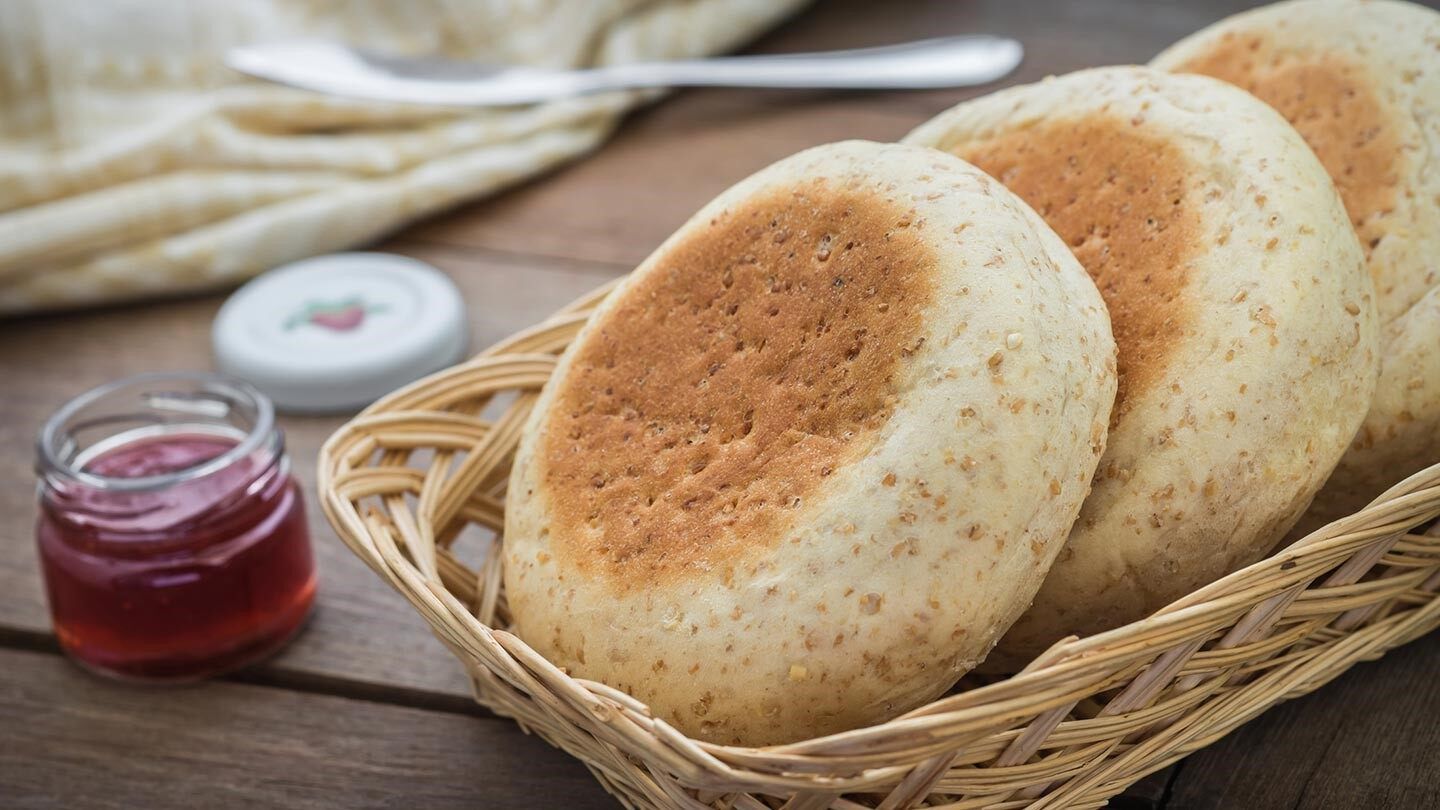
(338, 332)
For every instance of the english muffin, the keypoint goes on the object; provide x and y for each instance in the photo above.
(806, 464)
(1361, 82)
(1240, 307)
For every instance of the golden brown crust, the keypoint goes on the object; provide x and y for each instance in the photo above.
(759, 358)
(1119, 198)
(1332, 103)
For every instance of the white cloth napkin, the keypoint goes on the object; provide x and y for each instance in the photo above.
(134, 164)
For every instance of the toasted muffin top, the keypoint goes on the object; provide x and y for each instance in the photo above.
(1332, 100)
(1121, 198)
(1360, 81)
(759, 355)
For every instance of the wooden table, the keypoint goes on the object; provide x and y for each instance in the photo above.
(366, 709)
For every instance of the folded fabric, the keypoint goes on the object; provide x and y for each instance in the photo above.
(134, 164)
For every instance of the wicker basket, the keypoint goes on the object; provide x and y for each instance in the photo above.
(403, 480)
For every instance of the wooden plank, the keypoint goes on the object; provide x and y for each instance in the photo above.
(1368, 739)
(362, 631)
(71, 740)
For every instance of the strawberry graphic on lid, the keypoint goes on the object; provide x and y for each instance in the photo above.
(337, 316)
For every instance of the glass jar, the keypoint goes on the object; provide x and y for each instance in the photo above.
(172, 536)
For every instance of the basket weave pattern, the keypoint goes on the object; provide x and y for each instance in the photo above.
(404, 479)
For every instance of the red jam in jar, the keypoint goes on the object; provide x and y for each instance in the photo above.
(171, 534)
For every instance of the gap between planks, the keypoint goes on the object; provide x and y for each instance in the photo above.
(284, 678)
(422, 245)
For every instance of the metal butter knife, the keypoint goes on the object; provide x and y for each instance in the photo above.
(327, 67)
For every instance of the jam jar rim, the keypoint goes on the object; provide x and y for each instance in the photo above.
(264, 432)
